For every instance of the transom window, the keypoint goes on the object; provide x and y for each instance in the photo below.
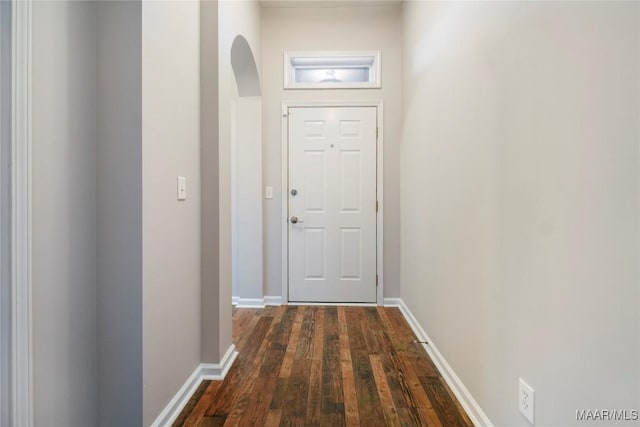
(331, 70)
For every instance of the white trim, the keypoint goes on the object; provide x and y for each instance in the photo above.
(256, 302)
(375, 69)
(285, 186)
(21, 341)
(204, 371)
(248, 302)
(272, 300)
(171, 412)
(380, 198)
(392, 302)
(217, 371)
(470, 405)
(336, 304)
(5, 214)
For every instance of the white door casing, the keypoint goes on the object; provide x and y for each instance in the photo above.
(21, 411)
(332, 217)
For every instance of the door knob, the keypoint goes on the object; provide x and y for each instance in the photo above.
(295, 220)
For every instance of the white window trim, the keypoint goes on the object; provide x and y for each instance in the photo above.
(287, 70)
(21, 328)
(284, 230)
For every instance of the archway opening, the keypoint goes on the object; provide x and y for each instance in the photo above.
(246, 177)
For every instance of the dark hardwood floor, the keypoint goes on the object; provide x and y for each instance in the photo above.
(325, 366)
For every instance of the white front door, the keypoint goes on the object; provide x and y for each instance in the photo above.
(332, 204)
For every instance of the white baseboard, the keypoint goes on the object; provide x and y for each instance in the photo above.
(217, 371)
(249, 302)
(392, 302)
(256, 302)
(175, 405)
(204, 371)
(470, 405)
(272, 300)
(335, 304)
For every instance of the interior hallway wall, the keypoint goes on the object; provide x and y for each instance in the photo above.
(331, 28)
(520, 199)
(234, 18)
(64, 214)
(213, 327)
(171, 228)
(118, 133)
(117, 293)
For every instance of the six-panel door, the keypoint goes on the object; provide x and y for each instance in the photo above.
(332, 172)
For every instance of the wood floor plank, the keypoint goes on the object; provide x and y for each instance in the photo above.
(279, 394)
(409, 417)
(243, 397)
(406, 335)
(325, 366)
(200, 408)
(388, 407)
(273, 418)
(297, 394)
(332, 390)
(396, 341)
(391, 362)
(287, 363)
(191, 404)
(425, 408)
(443, 404)
(351, 411)
(304, 349)
(294, 410)
(257, 408)
(332, 420)
(264, 387)
(212, 421)
(222, 404)
(368, 401)
(314, 400)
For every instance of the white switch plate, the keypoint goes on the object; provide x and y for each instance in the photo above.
(182, 188)
(526, 399)
(268, 192)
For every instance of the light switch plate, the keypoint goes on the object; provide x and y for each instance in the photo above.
(268, 192)
(182, 188)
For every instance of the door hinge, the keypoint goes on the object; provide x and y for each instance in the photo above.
(376, 206)
(376, 280)
(376, 132)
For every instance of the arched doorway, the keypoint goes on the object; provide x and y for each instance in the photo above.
(246, 175)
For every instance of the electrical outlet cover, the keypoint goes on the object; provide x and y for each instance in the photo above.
(526, 399)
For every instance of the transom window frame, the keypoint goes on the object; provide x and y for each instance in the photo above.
(316, 58)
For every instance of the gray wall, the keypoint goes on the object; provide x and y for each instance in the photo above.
(210, 219)
(64, 215)
(116, 119)
(520, 199)
(119, 213)
(234, 18)
(171, 228)
(331, 28)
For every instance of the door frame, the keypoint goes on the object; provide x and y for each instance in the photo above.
(19, 353)
(378, 104)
